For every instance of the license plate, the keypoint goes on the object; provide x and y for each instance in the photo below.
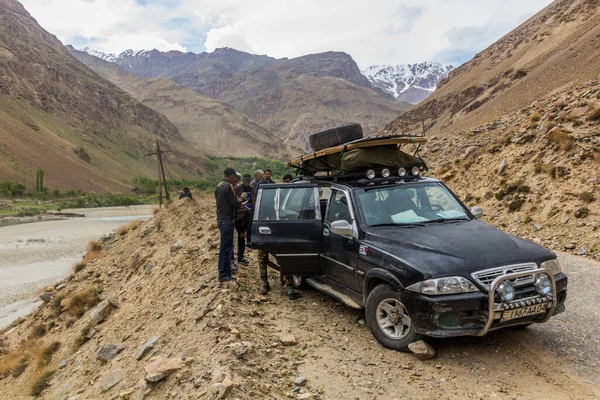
(523, 312)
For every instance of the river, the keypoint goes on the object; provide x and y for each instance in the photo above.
(38, 254)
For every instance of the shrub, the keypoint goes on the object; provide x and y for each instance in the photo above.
(122, 230)
(79, 267)
(77, 303)
(528, 219)
(552, 172)
(582, 212)
(38, 331)
(536, 117)
(56, 304)
(506, 139)
(83, 336)
(515, 205)
(95, 245)
(489, 194)
(587, 197)
(468, 198)
(8, 363)
(48, 352)
(41, 383)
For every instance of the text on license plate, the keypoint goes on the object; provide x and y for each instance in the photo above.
(523, 312)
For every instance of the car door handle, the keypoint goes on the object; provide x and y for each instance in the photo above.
(325, 232)
(264, 230)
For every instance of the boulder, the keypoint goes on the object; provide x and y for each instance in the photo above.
(111, 379)
(222, 389)
(300, 381)
(159, 368)
(422, 350)
(502, 167)
(146, 347)
(46, 297)
(109, 351)
(177, 246)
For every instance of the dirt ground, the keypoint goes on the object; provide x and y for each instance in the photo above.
(228, 333)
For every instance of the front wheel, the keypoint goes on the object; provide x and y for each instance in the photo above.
(388, 319)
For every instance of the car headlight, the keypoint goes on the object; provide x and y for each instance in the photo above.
(552, 266)
(543, 285)
(506, 291)
(440, 286)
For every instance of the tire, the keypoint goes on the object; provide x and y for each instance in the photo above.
(336, 136)
(380, 302)
(299, 282)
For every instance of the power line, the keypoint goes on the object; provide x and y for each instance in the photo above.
(486, 27)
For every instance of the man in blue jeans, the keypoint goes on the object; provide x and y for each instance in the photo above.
(227, 205)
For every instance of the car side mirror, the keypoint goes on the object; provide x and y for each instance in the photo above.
(342, 227)
(477, 212)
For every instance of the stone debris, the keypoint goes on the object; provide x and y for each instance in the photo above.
(422, 350)
(304, 396)
(46, 297)
(159, 368)
(300, 381)
(146, 347)
(102, 311)
(287, 339)
(222, 389)
(241, 349)
(177, 246)
(111, 379)
(582, 251)
(502, 167)
(109, 351)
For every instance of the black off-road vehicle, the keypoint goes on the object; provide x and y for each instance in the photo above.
(407, 250)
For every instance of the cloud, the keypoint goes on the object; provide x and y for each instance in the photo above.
(373, 32)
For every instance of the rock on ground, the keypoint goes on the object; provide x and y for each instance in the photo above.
(422, 350)
(111, 379)
(287, 339)
(146, 347)
(159, 368)
(109, 351)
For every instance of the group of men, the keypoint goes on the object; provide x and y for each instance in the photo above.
(236, 196)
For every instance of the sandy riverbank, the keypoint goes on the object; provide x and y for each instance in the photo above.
(35, 255)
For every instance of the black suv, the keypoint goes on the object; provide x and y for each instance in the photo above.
(407, 250)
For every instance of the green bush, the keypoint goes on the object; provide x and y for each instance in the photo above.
(41, 383)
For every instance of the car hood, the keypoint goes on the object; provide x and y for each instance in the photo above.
(454, 248)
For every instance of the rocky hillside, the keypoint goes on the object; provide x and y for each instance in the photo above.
(536, 172)
(58, 115)
(412, 83)
(142, 317)
(289, 97)
(213, 127)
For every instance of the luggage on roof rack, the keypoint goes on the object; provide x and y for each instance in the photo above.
(363, 154)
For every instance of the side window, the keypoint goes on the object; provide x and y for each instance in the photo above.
(288, 204)
(339, 208)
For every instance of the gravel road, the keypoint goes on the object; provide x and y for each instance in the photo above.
(556, 360)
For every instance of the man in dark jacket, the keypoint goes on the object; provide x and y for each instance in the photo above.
(185, 193)
(227, 206)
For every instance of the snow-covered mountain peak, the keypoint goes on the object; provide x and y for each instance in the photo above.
(407, 82)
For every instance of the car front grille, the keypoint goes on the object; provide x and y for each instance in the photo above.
(486, 277)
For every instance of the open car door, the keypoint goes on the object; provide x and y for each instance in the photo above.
(287, 224)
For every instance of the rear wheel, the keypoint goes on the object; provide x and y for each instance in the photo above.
(389, 320)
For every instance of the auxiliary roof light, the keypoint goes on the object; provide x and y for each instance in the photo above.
(371, 174)
(415, 171)
(402, 171)
(385, 173)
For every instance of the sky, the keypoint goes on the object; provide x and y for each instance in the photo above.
(371, 31)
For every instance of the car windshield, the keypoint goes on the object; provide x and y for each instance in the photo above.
(409, 205)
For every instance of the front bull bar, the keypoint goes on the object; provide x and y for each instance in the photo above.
(492, 292)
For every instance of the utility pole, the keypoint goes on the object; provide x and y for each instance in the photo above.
(162, 179)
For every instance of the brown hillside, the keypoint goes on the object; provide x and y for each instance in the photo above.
(58, 115)
(213, 127)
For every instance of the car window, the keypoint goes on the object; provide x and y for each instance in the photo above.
(409, 204)
(288, 204)
(338, 207)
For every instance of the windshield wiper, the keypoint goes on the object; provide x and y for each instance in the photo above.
(449, 219)
(410, 224)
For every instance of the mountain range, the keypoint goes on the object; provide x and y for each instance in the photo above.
(412, 83)
(291, 98)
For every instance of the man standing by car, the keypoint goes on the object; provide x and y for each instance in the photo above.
(268, 206)
(227, 205)
(258, 176)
